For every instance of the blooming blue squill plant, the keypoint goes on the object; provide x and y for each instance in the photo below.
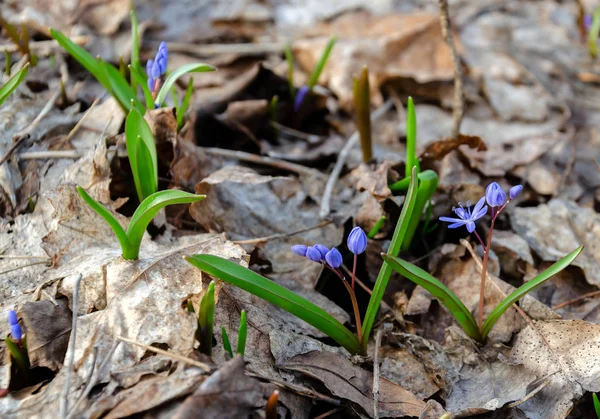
(16, 344)
(15, 329)
(357, 244)
(157, 67)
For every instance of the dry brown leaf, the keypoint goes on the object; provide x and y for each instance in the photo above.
(439, 149)
(355, 384)
(568, 353)
(372, 179)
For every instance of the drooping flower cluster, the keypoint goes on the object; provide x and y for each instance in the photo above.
(15, 329)
(496, 199)
(157, 67)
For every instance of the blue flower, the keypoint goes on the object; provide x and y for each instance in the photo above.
(357, 241)
(466, 217)
(300, 96)
(515, 191)
(157, 67)
(15, 329)
(494, 195)
(322, 249)
(299, 249)
(588, 19)
(313, 254)
(334, 258)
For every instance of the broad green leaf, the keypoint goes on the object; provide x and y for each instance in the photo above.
(108, 217)
(226, 343)
(121, 90)
(428, 182)
(206, 319)
(242, 334)
(172, 78)
(83, 57)
(274, 293)
(142, 81)
(526, 288)
(420, 277)
(146, 212)
(19, 355)
(13, 83)
(411, 138)
(185, 103)
(145, 172)
(314, 76)
(386, 271)
(596, 405)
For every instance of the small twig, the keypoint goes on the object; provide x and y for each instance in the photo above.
(45, 45)
(24, 266)
(80, 123)
(459, 100)
(341, 161)
(294, 133)
(282, 235)
(219, 49)
(296, 388)
(378, 336)
(24, 134)
(329, 413)
(180, 358)
(575, 300)
(267, 161)
(58, 154)
(64, 401)
(23, 257)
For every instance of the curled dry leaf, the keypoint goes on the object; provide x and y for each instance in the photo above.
(567, 351)
(373, 180)
(350, 382)
(437, 150)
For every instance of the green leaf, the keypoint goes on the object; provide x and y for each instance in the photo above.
(172, 78)
(411, 138)
(289, 57)
(377, 227)
(121, 90)
(386, 271)
(314, 76)
(593, 33)
(274, 293)
(427, 185)
(185, 103)
(83, 57)
(596, 405)
(108, 217)
(19, 355)
(141, 150)
(147, 211)
(242, 334)
(362, 103)
(226, 343)
(206, 319)
(420, 277)
(13, 83)
(142, 81)
(135, 49)
(526, 288)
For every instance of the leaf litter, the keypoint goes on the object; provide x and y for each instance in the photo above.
(528, 119)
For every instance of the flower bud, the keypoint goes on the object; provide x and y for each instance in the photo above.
(300, 96)
(313, 254)
(515, 191)
(334, 258)
(299, 249)
(15, 329)
(357, 241)
(322, 249)
(494, 195)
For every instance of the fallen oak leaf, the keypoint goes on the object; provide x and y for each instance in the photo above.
(355, 384)
(439, 149)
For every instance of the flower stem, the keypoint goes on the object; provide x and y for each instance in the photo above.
(354, 270)
(484, 272)
(480, 240)
(354, 302)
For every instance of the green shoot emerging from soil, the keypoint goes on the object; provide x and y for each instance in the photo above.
(206, 320)
(362, 103)
(13, 83)
(428, 179)
(131, 239)
(242, 335)
(125, 92)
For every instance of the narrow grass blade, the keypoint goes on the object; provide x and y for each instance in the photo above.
(242, 334)
(420, 277)
(226, 343)
(274, 293)
(314, 76)
(121, 90)
(83, 57)
(13, 83)
(144, 163)
(141, 81)
(146, 212)
(362, 103)
(411, 138)
(108, 217)
(377, 227)
(7, 63)
(526, 288)
(593, 33)
(596, 405)
(428, 182)
(185, 103)
(172, 78)
(135, 48)
(206, 319)
(386, 271)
